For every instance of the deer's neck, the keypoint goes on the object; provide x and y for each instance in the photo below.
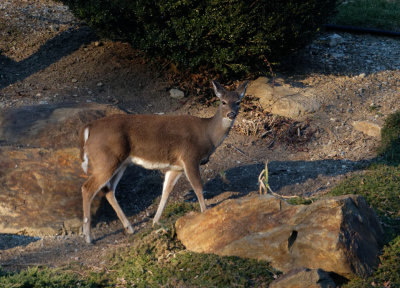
(218, 128)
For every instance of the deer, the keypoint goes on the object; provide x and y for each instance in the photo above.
(176, 144)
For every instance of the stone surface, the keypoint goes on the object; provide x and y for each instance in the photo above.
(368, 128)
(340, 234)
(282, 99)
(335, 40)
(40, 190)
(40, 169)
(304, 278)
(49, 126)
(176, 93)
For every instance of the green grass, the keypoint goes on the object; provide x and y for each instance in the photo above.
(158, 259)
(388, 273)
(380, 186)
(45, 277)
(379, 14)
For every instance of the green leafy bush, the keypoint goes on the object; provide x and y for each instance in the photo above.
(229, 36)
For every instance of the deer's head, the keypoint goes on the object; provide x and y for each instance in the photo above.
(230, 100)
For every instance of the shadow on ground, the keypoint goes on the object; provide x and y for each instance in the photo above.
(139, 187)
(53, 50)
(8, 241)
(244, 179)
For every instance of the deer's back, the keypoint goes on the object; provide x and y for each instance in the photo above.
(155, 138)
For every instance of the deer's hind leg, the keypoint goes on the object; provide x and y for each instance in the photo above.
(89, 190)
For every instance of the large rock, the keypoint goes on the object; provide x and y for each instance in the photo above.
(282, 99)
(40, 169)
(340, 234)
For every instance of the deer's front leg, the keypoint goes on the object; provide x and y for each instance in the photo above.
(192, 172)
(171, 177)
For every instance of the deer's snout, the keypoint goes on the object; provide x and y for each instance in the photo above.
(231, 115)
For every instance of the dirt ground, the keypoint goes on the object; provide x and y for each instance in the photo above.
(47, 56)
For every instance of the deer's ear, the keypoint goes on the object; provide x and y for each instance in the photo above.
(218, 89)
(242, 89)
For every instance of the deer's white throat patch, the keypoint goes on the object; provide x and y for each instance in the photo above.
(227, 123)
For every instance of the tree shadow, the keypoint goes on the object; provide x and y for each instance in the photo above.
(8, 241)
(244, 179)
(53, 50)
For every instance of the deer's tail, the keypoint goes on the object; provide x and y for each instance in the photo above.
(83, 137)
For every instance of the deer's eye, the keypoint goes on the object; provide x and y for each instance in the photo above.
(237, 103)
(223, 102)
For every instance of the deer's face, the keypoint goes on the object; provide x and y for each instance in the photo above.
(230, 100)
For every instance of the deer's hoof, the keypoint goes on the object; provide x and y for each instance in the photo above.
(128, 230)
(88, 239)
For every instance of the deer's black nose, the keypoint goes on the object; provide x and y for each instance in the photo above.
(231, 115)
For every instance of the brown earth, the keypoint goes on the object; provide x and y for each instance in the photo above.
(47, 56)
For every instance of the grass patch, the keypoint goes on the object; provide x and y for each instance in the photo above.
(300, 201)
(159, 259)
(379, 14)
(46, 277)
(379, 184)
(388, 274)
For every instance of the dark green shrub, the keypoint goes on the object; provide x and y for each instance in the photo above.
(229, 36)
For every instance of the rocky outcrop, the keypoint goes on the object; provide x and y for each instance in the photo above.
(49, 126)
(304, 278)
(340, 234)
(40, 169)
(282, 99)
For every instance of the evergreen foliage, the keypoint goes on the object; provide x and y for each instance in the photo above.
(228, 36)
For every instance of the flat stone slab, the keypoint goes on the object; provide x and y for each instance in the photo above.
(368, 128)
(283, 99)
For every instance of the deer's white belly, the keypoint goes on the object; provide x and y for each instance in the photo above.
(154, 165)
